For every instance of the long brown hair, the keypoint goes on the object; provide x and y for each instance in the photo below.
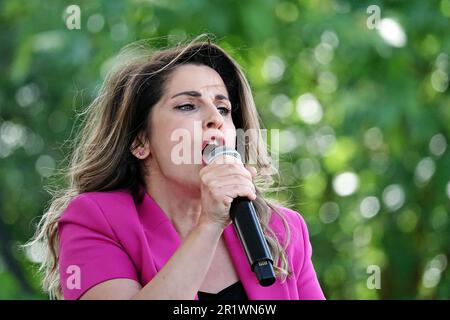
(101, 159)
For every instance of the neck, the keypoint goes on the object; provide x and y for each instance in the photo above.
(181, 206)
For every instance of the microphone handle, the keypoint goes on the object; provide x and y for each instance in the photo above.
(248, 228)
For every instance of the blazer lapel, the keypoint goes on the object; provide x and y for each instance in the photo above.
(164, 240)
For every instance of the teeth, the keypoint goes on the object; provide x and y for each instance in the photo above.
(211, 142)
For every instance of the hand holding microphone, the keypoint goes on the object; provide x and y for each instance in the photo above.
(221, 181)
(227, 191)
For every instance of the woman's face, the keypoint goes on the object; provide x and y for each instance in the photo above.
(194, 107)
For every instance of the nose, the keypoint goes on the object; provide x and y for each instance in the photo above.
(213, 119)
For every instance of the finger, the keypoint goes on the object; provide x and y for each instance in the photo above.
(228, 167)
(226, 160)
(230, 188)
(235, 191)
(213, 180)
(230, 180)
(246, 192)
(224, 171)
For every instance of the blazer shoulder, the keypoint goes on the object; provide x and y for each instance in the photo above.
(104, 206)
(108, 198)
(294, 220)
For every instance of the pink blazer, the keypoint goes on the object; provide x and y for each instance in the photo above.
(105, 235)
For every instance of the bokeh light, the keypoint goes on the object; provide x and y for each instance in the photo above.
(369, 207)
(309, 108)
(345, 183)
(394, 197)
(392, 32)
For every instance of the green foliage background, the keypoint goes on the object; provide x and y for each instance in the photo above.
(381, 113)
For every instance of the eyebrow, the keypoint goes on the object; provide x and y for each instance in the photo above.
(198, 94)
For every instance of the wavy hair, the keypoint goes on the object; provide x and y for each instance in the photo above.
(101, 157)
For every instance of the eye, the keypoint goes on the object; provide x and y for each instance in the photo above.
(224, 110)
(185, 107)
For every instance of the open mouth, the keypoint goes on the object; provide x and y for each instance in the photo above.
(217, 141)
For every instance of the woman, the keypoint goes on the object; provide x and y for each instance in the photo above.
(133, 224)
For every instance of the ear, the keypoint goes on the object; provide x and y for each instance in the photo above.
(140, 147)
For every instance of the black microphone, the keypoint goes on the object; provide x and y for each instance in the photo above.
(246, 224)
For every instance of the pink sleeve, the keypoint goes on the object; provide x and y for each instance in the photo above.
(89, 251)
(307, 282)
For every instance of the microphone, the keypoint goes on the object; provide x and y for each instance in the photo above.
(246, 224)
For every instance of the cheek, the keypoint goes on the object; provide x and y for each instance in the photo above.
(230, 136)
(160, 140)
(175, 139)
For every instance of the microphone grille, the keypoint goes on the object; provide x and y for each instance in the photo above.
(211, 152)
